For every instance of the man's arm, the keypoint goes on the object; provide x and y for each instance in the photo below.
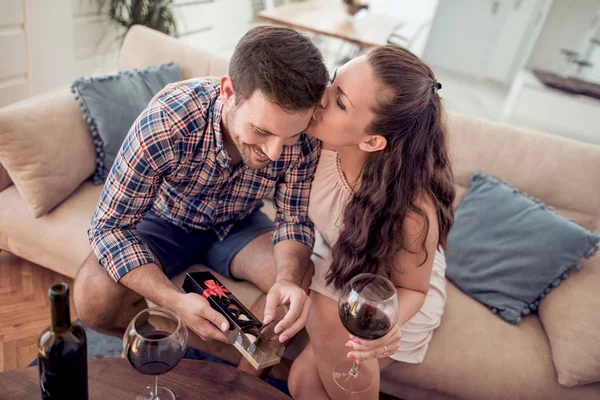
(146, 158)
(292, 259)
(129, 192)
(294, 238)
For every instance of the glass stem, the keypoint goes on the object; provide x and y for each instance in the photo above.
(354, 370)
(155, 391)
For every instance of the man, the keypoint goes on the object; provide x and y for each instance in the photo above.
(187, 186)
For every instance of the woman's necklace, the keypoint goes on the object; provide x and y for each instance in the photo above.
(351, 189)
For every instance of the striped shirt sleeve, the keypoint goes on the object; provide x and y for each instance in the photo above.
(147, 155)
(292, 196)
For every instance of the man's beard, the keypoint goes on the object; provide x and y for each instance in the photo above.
(246, 151)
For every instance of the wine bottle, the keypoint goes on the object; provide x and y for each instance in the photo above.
(62, 352)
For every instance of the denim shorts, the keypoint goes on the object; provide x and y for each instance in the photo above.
(178, 249)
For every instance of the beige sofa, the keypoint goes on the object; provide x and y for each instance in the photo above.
(48, 156)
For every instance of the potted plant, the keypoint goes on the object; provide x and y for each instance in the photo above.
(155, 14)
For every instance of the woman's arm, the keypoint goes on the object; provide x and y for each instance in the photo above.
(411, 273)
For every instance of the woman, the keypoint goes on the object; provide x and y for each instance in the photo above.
(381, 202)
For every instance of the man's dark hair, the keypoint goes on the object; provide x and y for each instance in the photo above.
(283, 64)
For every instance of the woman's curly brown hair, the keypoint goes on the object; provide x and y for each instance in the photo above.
(413, 165)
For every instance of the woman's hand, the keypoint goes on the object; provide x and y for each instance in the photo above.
(380, 348)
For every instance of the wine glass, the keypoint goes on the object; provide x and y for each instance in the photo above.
(368, 308)
(154, 343)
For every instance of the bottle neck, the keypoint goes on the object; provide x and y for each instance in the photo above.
(60, 311)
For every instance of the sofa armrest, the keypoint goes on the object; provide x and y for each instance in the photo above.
(5, 180)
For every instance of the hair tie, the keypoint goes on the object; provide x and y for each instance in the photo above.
(436, 86)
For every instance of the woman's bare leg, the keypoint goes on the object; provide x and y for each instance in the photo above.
(328, 337)
(304, 381)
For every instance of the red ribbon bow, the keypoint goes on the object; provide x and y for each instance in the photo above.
(214, 289)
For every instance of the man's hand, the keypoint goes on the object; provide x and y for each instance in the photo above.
(287, 293)
(150, 282)
(200, 317)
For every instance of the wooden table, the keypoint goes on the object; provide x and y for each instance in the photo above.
(328, 17)
(114, 378)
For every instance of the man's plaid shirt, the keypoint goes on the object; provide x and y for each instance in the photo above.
(173, 162)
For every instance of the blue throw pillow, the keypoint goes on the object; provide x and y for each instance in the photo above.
(508, 250)
(111, 104)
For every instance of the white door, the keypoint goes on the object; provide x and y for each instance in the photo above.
(515, 32)
(14, 81)
(463, 34)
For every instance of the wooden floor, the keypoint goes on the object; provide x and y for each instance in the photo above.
(24, 309)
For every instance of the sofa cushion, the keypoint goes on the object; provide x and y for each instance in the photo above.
(110, 104)
(46, 148)
(476, 355)
(571, 319)
(508, 250)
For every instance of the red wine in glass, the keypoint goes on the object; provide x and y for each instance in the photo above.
(366, 322)
(368, 308)
(154, 343)
(155, 357)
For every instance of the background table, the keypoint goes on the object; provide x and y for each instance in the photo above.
(114, 378)
(328, 17)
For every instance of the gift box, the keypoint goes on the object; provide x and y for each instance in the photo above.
(246, 332)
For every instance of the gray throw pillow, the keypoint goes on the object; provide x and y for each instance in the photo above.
(508, 250)
(111, 104)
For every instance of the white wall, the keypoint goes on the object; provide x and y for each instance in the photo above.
(215, 26)
(46, 44)
(67, 39)
(566, 26)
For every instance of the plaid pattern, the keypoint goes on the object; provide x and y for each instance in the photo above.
(173, 162)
